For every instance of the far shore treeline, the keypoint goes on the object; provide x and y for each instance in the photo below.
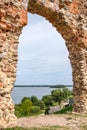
(51, 86)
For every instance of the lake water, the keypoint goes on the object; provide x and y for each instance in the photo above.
(19, 92)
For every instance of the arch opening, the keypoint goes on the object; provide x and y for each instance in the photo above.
(43, 57)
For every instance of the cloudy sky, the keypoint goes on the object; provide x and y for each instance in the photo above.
(42, 54)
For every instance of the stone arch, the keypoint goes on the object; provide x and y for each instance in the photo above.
(70, 19)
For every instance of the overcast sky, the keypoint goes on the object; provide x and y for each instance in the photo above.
(42, 54)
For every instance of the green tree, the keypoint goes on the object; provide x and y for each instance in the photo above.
(41, 104)
(34, 100)
(25, 98)
(47, 100)
(25, 107)
(26, 103)
(66, 93)
(57, 95)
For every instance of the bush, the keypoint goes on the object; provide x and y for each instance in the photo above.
(35, 109)
(18, 111)
(26, 108)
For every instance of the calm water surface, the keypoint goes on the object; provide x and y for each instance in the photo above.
(19, 92)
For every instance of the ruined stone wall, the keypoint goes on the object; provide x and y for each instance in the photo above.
(69, 17)
(13, 17)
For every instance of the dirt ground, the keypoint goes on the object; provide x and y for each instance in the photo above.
(72, 121)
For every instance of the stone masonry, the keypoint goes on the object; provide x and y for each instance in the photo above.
(69, 17)
(13, 17)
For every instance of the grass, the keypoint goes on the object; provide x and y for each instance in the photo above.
(46, 128)
(65, 110)
(83, 127)
(42, 128)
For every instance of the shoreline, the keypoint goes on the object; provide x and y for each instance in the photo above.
(50, 86)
